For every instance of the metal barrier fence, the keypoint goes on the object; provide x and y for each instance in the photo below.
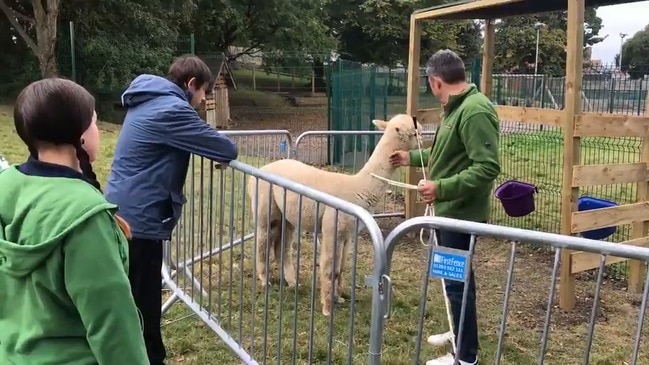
(212, 265)
(348, 151)
(456, 266)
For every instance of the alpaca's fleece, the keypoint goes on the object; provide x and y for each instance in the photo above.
(361, 189)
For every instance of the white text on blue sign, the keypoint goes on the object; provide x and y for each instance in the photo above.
(448, 266)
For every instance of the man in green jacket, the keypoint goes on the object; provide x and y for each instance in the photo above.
(463, 164)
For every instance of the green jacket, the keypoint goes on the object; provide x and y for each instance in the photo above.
(65, 297)
(464, 160)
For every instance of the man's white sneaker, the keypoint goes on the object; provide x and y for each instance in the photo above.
(440, 339)
(448, 360)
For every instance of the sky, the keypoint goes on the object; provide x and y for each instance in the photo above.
(616, 19)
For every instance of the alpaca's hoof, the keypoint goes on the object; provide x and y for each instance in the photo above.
(340, 300)
(326, 311)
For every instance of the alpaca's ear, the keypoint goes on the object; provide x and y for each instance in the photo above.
(380, 124)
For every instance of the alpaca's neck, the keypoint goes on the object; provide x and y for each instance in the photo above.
(379, 162)
(368, 189)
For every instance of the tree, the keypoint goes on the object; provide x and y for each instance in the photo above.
(378, 31)
(516, 41)
(36, 23)
(634, 54)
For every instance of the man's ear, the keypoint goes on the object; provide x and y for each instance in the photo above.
(380, 124)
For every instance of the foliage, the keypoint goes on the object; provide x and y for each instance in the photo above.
(634, 54)
(516, 41)
(378, 31)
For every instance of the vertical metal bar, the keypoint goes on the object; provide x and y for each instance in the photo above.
(73, 53)
(548, 313)
(465, 294)
(422, 302)
(641, 318)
(508, 288)
(593, 315)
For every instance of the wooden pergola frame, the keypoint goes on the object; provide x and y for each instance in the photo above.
(574, 123)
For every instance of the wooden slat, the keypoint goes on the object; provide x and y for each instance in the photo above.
(611, 125)
(582, 261)
(571, 143)
(412, 98)
(608, 217)
(606, 174)
(537, 116)
(486, 79)
(460, 8)
(637, 269)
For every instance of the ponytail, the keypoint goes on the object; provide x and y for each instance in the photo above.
(91, 177)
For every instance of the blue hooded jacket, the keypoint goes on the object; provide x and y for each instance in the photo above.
(161, 129)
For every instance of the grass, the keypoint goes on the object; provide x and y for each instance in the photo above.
(241, 307)
(271, 81)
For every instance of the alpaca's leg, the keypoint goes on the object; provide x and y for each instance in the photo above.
(262, 249)
(287, 266)
(326, 269)
(342, 252)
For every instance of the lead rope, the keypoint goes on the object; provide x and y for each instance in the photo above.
(440, 339)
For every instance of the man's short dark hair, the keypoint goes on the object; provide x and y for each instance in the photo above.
(446, 65)
(186, 67)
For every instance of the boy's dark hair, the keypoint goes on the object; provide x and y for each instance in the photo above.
(446, 65)
(185, 67)
(56, 111)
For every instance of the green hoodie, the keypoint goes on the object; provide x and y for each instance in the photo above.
(464, 157)
(64, 291)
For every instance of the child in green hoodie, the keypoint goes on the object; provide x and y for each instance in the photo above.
(64, 292)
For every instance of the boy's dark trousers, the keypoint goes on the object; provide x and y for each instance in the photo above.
(455, 291)
(145, 275)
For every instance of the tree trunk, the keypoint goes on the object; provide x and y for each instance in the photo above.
(46, 32)
(45, 22)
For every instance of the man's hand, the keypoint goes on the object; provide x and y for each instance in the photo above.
(427, 190)
(400, 158)
(221, 166)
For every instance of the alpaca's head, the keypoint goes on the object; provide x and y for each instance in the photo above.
(399, 131)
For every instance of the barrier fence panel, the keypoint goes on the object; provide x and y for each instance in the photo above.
(256, 148)
(354, 149)
(213, 265)
(455, 266)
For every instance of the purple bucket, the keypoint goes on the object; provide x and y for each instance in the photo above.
(516, 197)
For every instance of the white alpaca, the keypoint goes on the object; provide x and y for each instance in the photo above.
(361, 189)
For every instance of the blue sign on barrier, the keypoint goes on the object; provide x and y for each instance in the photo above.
(449, 264)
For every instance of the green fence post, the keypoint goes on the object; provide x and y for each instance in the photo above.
(475, 73)
(499, 90)
(640, 98)
(372, 115)
(387, 84)
(192, 44)
(73, 53)
(542, 91)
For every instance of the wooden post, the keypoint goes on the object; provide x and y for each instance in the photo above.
(254, 78)
(412, 100)
(637, 269)
(486, 79)
(571, 144)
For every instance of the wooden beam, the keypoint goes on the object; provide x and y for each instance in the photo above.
(637, 269)
(609, 217)
(607, 174)
(488, 54)
(611, 125)
(571, 143)
(460, 8)
(582, 261)
(535, 116)
(414, 54)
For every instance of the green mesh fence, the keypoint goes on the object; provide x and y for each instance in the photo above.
(529, 153)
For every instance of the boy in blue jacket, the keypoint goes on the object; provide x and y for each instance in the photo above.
(160, 132)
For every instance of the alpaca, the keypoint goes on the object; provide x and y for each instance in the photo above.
(361, 189)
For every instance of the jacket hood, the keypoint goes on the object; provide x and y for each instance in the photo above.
(34, 222)
(147, 87)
